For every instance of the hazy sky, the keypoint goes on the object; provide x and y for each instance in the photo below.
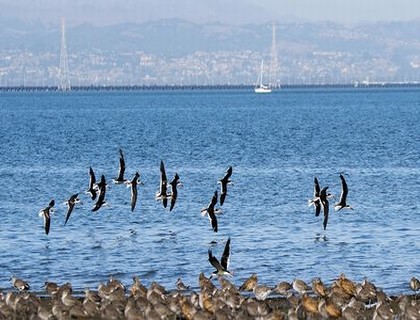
(106, 12)
(345, 11)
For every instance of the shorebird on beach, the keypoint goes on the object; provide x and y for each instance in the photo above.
(174, 190)
(300, 286)
(50, 287)
(261, 292)
(249, 283)
(316, 202)
(319, 288)
(46, 214)
(120, 177)
(415, 285)
(101, 198)
(162, 193)
(180, 285)
(71, 202)
(133, 184)
(223, 265)
(283, 287)
(323, 196)
(310, 305)
(92, 184)
(137, 289)
(211, 211)
(347, 285)
(20, 284)
(343, 197)
(223, 185)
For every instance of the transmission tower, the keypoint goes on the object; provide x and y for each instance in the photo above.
(274, 64)
(64, 78)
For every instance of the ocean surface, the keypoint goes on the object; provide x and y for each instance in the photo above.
(276, 144)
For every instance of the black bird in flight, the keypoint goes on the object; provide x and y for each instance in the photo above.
(211, 211)
(222, 266)
(120, 178)
(316, 201)
(101, 198)
(343, 197)
(46, 214)
(162, 193)
(71, 202)
(323, 196)
(223, 185)
(92, 184)
(133, 183)
(174, 190)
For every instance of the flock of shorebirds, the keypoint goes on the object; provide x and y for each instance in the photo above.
(343, 299)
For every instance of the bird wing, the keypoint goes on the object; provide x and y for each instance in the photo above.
(69, 210)
(213, 219)
(214, 262)
(222, 198)
(325, 205)
(226, 255)
(122, 167)
(92, 178)
(101, 198)
(317, 188)
(133, 195)
(47, 221)
(162, 172)
(228, 173)
(213, 201)
(163, 185)
(317, 205)
(344, 189)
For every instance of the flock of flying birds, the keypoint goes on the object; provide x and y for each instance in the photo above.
(97, 191)
(321, 199)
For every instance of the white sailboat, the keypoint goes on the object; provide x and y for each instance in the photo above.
(260, 87)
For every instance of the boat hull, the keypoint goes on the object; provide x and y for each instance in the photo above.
(262, 90)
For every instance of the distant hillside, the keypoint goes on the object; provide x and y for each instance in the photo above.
(174, 37)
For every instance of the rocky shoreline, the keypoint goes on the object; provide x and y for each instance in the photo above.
(215, 299)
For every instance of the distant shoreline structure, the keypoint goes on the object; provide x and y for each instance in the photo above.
(249, 88)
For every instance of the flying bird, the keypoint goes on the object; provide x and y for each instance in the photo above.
(222, 266)
(211, 211)
(223, 185)
(46, 214)
(162, 193)
(92, 184)
(71, 202)
(101, 198)
(316, 201)
(343, 197)
(323, 196)
(120, 178)
(174, 190)
(133, 183)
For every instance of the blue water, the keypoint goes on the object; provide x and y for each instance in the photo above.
(276, 144)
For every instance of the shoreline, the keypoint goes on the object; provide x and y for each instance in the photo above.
(216, 87)
(214, 299)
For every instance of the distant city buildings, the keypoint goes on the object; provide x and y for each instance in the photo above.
(298, 62)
